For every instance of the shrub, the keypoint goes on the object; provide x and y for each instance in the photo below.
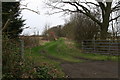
(30, 41)
(15, 67)
(11, 57)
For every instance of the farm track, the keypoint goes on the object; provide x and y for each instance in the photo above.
(85, 59)
(57, 59)
(89, 68)
(92, 69)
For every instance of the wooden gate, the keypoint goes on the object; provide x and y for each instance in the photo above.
(101, 46)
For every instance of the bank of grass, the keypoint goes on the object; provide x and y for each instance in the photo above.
(66, 52)
(40, 60)
(97, 56)
(59, 49)
(93, 56)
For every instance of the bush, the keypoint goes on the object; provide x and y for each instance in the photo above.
(15, 67)
(30, 41)
(11, 57)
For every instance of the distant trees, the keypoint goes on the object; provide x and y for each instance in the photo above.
(53, 33)
(68, 30)
(78, 28)
(81, 28)
(105, 7)
(12, 23)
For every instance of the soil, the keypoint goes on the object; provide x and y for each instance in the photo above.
(91, 69)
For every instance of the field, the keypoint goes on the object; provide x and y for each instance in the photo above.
(65, 57)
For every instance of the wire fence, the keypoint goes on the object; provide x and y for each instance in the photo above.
(101, 46)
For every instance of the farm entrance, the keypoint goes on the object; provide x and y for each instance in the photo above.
(101, 46)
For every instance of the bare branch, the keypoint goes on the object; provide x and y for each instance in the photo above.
(91, 3)
(84, 8)
(114, 18)
(30, 10)
(25, 8)
(77, 5)
(93, 18)
(6, 25)
(116, 8)
(55, 7)
(102, 6)
(54, 12)
(72, 4)
(24, 5)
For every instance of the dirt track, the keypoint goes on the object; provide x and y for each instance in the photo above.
(91, 69)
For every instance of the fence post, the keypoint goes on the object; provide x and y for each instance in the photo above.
(82, 45)
(22, 49)
(109, 42)
(94, 45)
(118, 49)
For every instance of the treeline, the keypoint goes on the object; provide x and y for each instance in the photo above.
(78, 28)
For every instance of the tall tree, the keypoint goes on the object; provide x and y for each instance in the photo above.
(12, 23)
(106, 7)
(80, 28)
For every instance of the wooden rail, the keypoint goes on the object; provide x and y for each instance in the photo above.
(101, 46)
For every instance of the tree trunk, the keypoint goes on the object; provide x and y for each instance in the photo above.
(104, 33)
(105, 24)
(104, 29)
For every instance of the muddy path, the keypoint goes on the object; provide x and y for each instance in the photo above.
(91, 69)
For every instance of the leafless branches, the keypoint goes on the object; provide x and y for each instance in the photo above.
(6, 25)
(26, 8)
(116, 7)
(30, 10)
(114, 18)
(79, 7)
(87, 8)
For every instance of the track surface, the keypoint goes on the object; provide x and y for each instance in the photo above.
(91, 69)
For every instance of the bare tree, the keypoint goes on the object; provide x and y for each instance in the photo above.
(80, 28)
(106, 7)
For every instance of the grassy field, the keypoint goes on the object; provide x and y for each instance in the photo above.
(63, 52)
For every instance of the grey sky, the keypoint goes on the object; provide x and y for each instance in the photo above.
(37, 22)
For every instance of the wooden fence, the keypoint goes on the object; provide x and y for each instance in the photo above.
(101, 46)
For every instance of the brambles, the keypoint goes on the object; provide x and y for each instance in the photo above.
(10, 57)
(15, 67)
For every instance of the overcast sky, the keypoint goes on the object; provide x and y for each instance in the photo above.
(37, 22)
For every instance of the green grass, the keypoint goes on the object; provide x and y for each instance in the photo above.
(97, 56)
(59, 49)
(34, 56)
(93, 56)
